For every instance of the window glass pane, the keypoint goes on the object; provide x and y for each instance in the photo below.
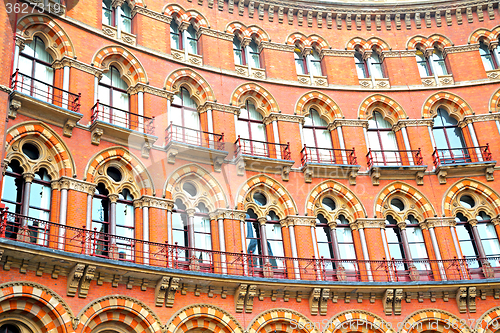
(238, 57)
(324, 138)
(254, 114)
(373, 140)
(446, 118)
(324, 251)
(106, 12)
(40, 52)
(299, 62)
(323, 234)
(439, 65)
(455, 137)
(258, 131)
(174, 36)
(486, 57)
(126, 18)
(124, 214)
(486, 230)
(40, 196)
(439, 138)
(315, 64)
(376, 70)
(422, 64)
(255, 61)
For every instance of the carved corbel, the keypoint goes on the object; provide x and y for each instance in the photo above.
(442, 176)
(489, 174)
(388, 301)
(419, 178)
(145, 149)
(24, 266)
(471, 299)
(218, 161)
(160, 290)
(375, 175)
(314, 301)
(171, 155)
(116, 279)
(88, 275)
(172, 289)
(462, 299)
(251, 293)
(55, 271)
(68, 128)
(239, 297)
(96, 136)
(352, 177)
(308, 174)
(74, 277)
(240, 167)
(323, 305)
(285, 173)
(286, 296)
(15, 105)
(398, 297)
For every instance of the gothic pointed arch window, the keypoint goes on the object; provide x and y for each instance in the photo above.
(431, 62)
(274, 240)
(308, 62)
(254, 54)
(114, 101)
(239, 51)
(370, 66)
(185, 118)
(180, 235)
(449, 139)
(183, 39)
(489, 56)
(423, 64)
(36, 75)
(119, 17)
(317, 138)
(252, 131)
(113, 222)
(382, 140)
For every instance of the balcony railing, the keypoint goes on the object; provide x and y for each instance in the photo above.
(45, 92)
(122, 118)
(262, 149)
(394, 157)
(93, 243)
(194, 137)
(328, 156)
(461, 155)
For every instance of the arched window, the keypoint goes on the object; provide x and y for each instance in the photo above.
(478, 240)
(300, 62)
(394, 240)
(180, 235)
(324, 239)
(183, 40)
(252, 130)
(101, 220)
(175, 36)
(382, 140)
(253, 238)
(416, 243)
(202, 231)
(35, 71)
(239, 52)
(424, 67)
(125, 225)
(317, 138)
(9, 329)
(113, 99)
(371, 67)
(449, 139)
(254, 55)
(345, 241)
(185, 119)
(489, 56)
(117, 16)
(438, 62)
(274, 240)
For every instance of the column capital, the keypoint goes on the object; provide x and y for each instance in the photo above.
(55, 185)
(213, 215)
(495, 221)
(190, 212)
(154, 202)
(332, 225)
(473, 222)
(138, 203)
(402, 225)
(113, 198)
(262, 220)
(28, 177)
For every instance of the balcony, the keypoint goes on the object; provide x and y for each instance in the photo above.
(45, 102)
(395, 164)
(122, 127)
(463, 162)
(195, 145)
(263, 156)
(329, 163)
(21, 234)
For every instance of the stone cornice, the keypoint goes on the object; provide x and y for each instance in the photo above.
(214, 106)
(398, 54)
(154, 202)
(215, 34)
(336, 53)
(77, 185)
(308, 221)
(150, 90)
(283, 117)
(276, 46)
(438, 222)
(412, 123)
(152, 14)
(462, 48)
(65, 61)
(348, 122)
(366, 223)
(5, 89)
(482, 117)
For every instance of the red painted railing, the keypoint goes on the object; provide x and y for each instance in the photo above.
(394, 157)
(93, 243)
(122, 118)
(45, 92)
(461, 155)
(194, 137)
(328, 156)
(262, 148)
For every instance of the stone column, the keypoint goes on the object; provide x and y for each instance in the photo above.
(19, 47)
(145, 229)
(112, 225)
(190, 212)
(63, 212)
(88, 220)
(222, 241)
(293, 245)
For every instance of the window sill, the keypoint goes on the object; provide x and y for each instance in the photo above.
(443, 80)
(112, 32)
(382, 83)
(493, 74)
(318, 81)
(394, 172)
(454, 170)
(194, 59)
(257, 73)
(334, 171)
